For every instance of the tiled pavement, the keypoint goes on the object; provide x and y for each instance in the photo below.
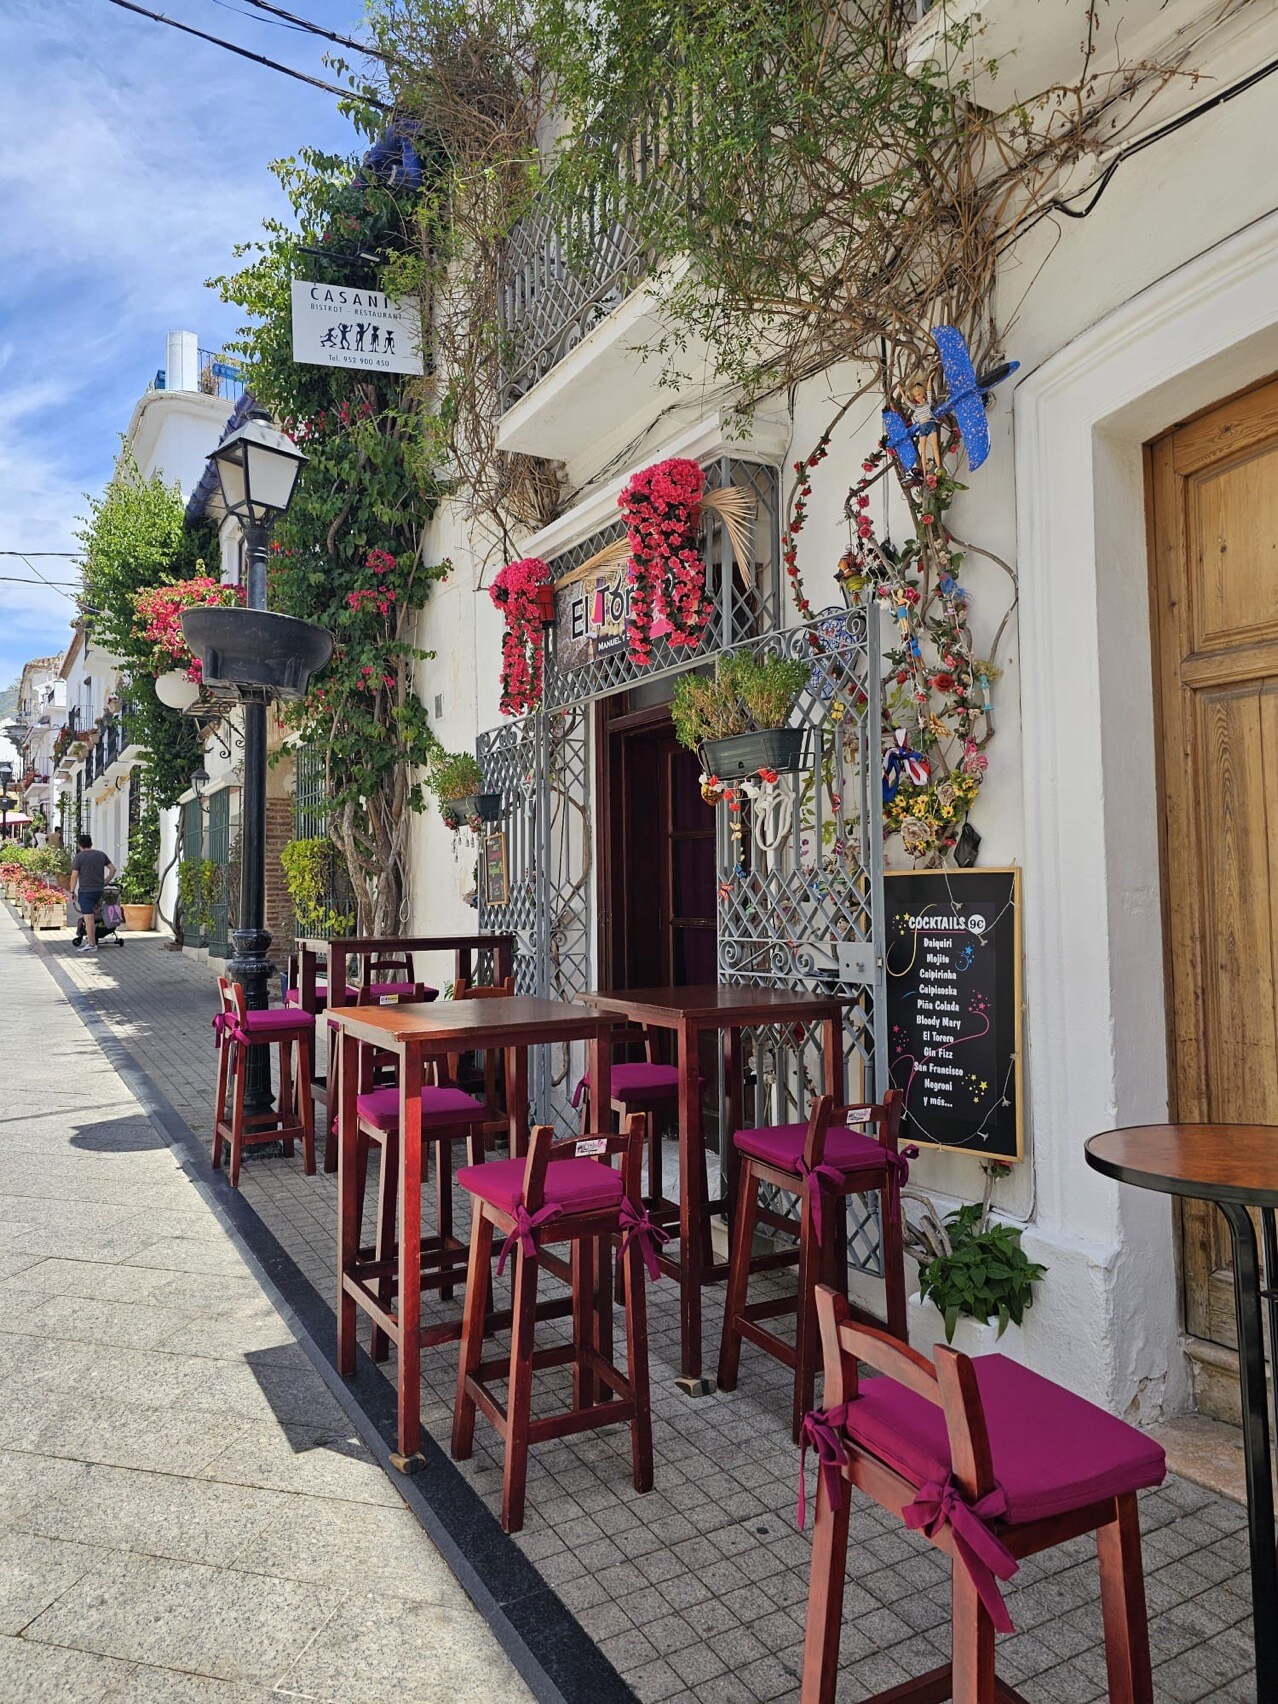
(180, 1493)
(697, 1591)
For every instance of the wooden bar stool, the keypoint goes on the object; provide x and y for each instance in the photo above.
(648, 1086)
(990, 1463)
(389, 976)
(563, 1192)
(821, 1162)
(237, 1030)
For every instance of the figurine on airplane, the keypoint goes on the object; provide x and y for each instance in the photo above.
(916, 443)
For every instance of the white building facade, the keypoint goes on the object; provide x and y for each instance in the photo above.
(1158, 308)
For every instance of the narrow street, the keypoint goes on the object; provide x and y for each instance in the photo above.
(186, 1512)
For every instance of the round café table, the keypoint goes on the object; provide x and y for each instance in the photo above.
(1236, 1166)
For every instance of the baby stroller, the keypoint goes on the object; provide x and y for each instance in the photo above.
(108, 919)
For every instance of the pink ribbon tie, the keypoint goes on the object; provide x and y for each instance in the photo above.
(812, 1182)
(227, 1024)
(898, 1175)
(636, 1223)
(580, 1090)
(940, 1504)
(525, 1225)
(822, 1430)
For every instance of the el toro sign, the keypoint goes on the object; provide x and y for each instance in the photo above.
(336, 326)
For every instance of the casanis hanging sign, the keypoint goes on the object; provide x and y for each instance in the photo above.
(337, 326)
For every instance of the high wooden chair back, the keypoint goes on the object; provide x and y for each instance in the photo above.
(544, 1146)
(882, 1119)
(232, 997)
(464, 990)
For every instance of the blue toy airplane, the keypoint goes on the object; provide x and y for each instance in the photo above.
(965, 404)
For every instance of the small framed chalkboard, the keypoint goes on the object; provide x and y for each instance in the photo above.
(953, 962)
(494, 869)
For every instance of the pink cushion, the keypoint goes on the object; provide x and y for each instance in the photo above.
(781, 1145)
(380, 1107)
(395, 990)
(293, 996)
(1051, 1450)
(576, 1185)
(638, 1078)
(281, 1018)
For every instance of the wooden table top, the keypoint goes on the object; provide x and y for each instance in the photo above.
(728, 1002)
(1211, 1162)
(472, 1023)
(356, 944)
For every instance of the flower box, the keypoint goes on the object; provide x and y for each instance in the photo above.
(262, 655)
(778, 749)
(485, 806)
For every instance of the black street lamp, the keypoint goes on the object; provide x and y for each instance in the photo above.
(257, 469)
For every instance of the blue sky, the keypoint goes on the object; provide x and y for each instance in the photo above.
(132, 158)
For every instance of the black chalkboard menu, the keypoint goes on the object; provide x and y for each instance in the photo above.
(953, 964)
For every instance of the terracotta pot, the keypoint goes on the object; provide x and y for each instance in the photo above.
(139, 916)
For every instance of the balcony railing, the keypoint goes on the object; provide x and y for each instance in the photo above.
(564, 272)
(220, 375)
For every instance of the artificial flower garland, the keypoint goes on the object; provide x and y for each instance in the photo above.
(662, 510)
(514, 591)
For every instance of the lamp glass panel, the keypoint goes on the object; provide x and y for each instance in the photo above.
(230, 473)
(271, 477)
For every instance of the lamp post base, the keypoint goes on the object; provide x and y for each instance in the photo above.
(253, 970)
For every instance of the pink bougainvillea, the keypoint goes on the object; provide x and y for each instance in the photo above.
(514, 591)
(160, 614)
(662, 509)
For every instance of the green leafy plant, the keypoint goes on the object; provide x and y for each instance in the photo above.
(49, 861)
(140, 878)
(984, 1272)
(199, 889)
(455, 775)
(309, 875)
(748, 692)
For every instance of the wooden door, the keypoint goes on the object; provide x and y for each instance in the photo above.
(1214, 554)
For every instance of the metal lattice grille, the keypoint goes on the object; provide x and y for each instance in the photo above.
(798, 905)
(541, 767)
(743, 605)
(310, 795)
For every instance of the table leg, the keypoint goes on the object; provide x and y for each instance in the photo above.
(729, 1159)
(409, 1458)
(691, 1214)
(517, 1100)
(833, 1061)
(348, 1228)
(1255, 1405)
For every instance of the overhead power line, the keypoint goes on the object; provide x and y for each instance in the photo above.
(247, 53)
(319, 30)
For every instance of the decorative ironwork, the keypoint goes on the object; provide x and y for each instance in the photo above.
(743, 607)
(541, 766)
(310, 795)
(800, 893)
(560, 278)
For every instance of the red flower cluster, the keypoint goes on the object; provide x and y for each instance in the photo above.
(798, 520)
(514, 591)
(160, 612)
(662, 508)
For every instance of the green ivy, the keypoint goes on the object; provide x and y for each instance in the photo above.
(199, 889)
(308, 872)
(140, 878)
(349, 554)
(987, 1274)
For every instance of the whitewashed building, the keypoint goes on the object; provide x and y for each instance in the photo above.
(1134, 470)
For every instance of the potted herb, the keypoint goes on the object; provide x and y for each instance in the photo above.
(738, 721)
(457, 782)
(975, 1279)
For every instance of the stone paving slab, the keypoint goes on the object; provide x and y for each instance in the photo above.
(180, 1494)
(697, 1591)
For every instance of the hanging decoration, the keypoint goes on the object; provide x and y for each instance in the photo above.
(938, 704)
(661, 506)
(518, 592)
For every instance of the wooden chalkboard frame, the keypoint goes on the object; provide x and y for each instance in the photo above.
(908, 1132)
(494, 869)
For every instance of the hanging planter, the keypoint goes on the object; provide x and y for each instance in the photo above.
(770, 751)
(519, 592)
(457, 782)
(260, 656)
(176, 690)
(481, 807)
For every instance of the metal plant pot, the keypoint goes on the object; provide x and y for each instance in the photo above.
(260, 655)
(485, 806)
(745, 754)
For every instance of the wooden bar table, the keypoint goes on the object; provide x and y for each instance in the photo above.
(1236, 1166)
(417, 1034)
(688, 1013)
(341, 949)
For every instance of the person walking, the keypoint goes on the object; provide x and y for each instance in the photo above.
(91, 870)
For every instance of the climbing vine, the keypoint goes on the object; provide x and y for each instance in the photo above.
(350, 553)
